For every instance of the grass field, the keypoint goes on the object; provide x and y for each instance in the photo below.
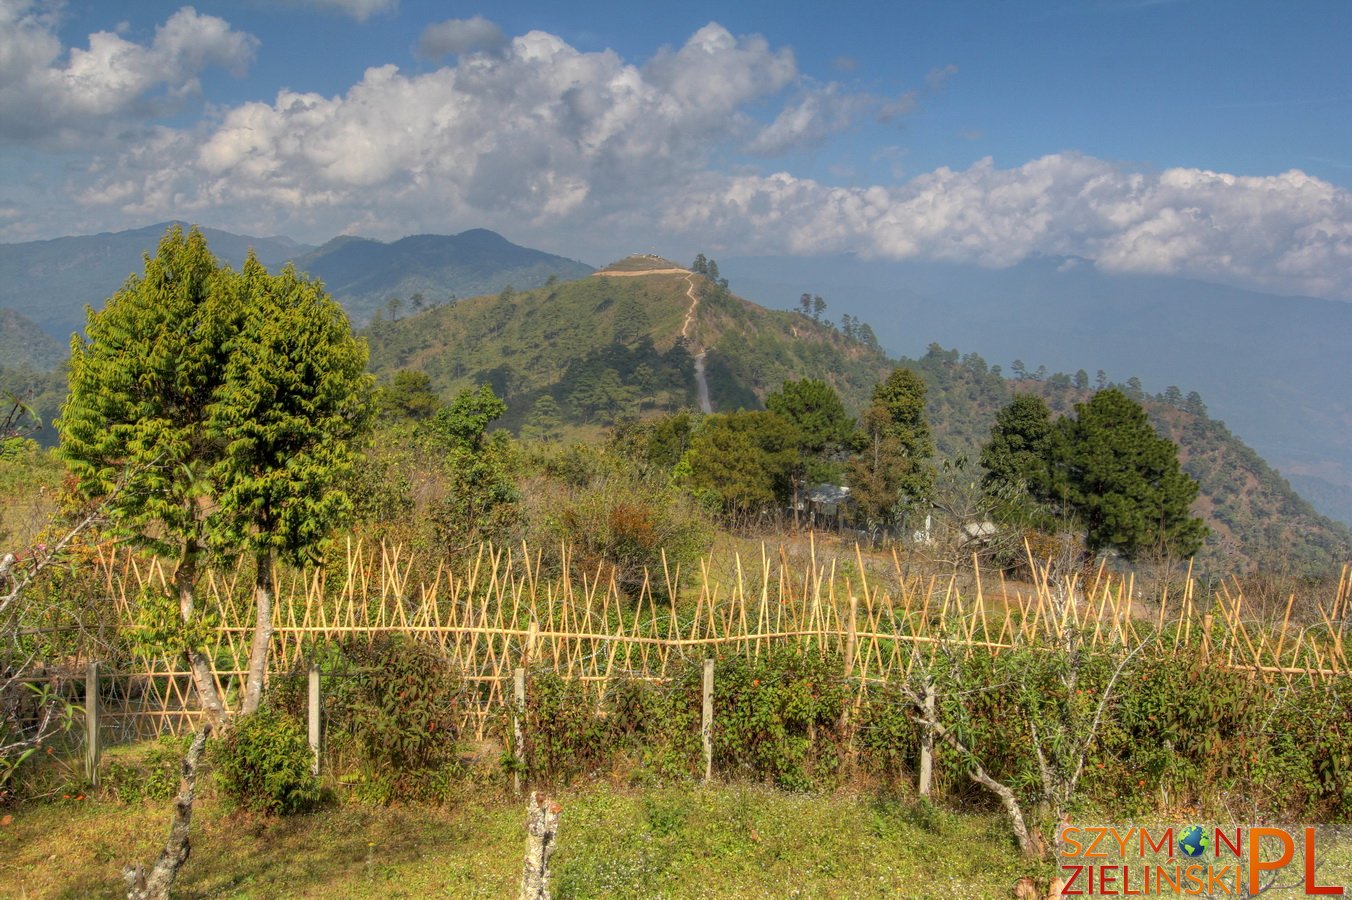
(736, 841)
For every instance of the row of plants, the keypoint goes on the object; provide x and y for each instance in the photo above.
(1176, 734)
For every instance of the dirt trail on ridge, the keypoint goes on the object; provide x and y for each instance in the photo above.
(701, 382)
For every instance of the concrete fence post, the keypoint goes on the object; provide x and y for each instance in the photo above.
(927, 744)
(314, 713)
(519, 724)
(706, 729)
(92, 748)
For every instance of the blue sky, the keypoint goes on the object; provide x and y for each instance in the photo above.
(1208, 139)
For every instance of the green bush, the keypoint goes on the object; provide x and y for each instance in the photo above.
(391, 706)
(149, 775)
(776, 716)
(263, 765)
(565, 735)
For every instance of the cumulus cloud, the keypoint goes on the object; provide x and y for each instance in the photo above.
(539, 131)
(46, 93)
(460, 36)
(1289, 232)
(541, 139)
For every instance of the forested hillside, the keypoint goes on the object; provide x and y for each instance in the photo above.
(1256, 518)
(605, 347)
(589, 353)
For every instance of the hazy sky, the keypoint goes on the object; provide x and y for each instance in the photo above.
(1209, 139)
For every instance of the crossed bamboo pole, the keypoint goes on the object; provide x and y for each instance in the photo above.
(503, 607)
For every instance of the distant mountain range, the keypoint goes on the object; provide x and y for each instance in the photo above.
(49, 283)
(429, 270)
(1276, 369)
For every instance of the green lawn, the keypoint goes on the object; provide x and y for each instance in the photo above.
(736, 841)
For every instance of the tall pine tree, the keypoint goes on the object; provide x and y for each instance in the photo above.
(893, 472)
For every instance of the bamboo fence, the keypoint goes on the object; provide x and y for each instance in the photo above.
(502, 607)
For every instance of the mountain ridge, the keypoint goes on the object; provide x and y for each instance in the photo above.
(1273, 368)
(602, 349)
(50, 282)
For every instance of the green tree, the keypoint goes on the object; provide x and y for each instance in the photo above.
(1124, 481)
(212, 408)
(293, 398)
(823, 432)
(546, 419)
(1019, 453)
(740, 461)
(463, 424)
(409, 396)
(141, 386)
(892, 473)
(631, 319)
(481, 502)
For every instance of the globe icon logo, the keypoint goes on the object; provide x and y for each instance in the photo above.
(1194, 842)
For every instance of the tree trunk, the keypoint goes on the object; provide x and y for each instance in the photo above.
(927, 745)
(185, 584)
(1030, 842)
(156, 884)
(542, 825)
(262, 639)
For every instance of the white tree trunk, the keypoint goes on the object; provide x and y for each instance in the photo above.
(262, 639)
(542, 825)
(185, 580)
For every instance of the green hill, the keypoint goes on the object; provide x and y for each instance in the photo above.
(611, 345)
(623, 342)
(1257, 520)
(24, 344)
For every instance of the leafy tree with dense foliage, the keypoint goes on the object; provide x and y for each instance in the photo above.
(294, 396)
(1124, 481)
(740, 462)
(409, 396)
(1104, 466)
(892, 473)
(215, 408)
(1020, 451)
(823, 431)
(546, 420)
(141, 384)
(657, 443)
(481, 502)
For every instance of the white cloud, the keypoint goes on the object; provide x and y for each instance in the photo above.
(460, 36)
(44, 97)
(361, 10)
(538, 132)
(816, 115)
(547, 142)
(1289, 232)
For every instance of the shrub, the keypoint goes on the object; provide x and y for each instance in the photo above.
(776, 716)
(564, 733)
(389, 701)
(263, 765)
(151, 775)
